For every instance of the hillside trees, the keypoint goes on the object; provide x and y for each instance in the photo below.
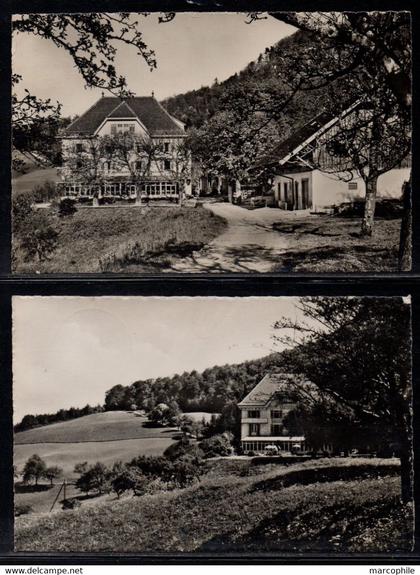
(356, 351)
(52, 473)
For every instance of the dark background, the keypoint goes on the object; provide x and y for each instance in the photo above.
(284, 284)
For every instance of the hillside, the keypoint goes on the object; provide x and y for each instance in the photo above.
(195, 107)
(108, 426)
(230, 513)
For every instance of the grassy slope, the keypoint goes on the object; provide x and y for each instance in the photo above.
(115, 435)
(96, 240)
(233, 513)
(111, 425)
(27, 182)
(333, 244)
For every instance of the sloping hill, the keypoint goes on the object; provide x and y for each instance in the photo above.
(108, 426)
(231, 513)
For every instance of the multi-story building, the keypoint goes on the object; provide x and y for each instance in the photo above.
(125, 149)
(266, 417)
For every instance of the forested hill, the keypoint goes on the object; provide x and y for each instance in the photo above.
(197, 106)
(210, 390)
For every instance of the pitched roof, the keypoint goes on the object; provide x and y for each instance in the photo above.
(307, 133)
(268, 387)
(146, 108)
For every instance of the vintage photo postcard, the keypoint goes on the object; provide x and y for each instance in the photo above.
(264, 425)
(211, 142)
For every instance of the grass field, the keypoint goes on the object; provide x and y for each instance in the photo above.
(27, 182)
(107, 426)
(232, 511)
(107, 437)
(333, 244)
(123, 239)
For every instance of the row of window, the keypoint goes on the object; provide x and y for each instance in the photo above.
(122, 189)
(256, 414)
(259, 446)
(276, 429)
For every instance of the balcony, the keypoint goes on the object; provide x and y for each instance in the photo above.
(254, 420)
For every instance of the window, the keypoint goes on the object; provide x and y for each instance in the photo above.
(79, 147)
(276, 429)
(254, 429)
(123, 128)
(352, 185)
(254, 413)
(276, 414)
(166, 146)
(166, 164)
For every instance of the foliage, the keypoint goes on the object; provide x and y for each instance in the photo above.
(53, 472)
(164, 414)
(129, 479)
(216, 445)
(356, 353)
(44, 192)
(95, 478)
(38, 237)
(183, 447)
(21, 211)
(34, 469)
(67, 208)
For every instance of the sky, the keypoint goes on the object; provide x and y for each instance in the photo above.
(192, 50)
(69, 350)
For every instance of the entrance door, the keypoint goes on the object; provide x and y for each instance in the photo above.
(305, 194)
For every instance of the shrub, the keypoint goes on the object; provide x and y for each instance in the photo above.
(185, 471)
(44, 192)
(216, 445)
(70, 504)
(22, 509)
(38, 237)
(152, 466)
(130, 479)
(21, 211)
(183, 447)
(66, 208)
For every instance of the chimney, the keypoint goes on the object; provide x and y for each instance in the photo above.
(153, 94)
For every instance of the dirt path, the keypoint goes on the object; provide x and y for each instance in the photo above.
(249, 244)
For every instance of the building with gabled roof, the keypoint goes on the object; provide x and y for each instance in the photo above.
(157, 167)
(266, 416)
(308, 178)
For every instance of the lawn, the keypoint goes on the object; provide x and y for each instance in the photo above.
(333, 244)
(123, 239)
(27, 182)
(240, 513)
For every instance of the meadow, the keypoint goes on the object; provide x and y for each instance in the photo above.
(122, 239)
(243, 510)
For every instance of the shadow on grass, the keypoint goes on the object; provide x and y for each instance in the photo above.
(28, 488)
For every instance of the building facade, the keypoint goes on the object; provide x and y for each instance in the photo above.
(308, 178)
(125, 150)
(267, 417)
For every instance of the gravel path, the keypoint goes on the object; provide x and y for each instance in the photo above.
(249, 244)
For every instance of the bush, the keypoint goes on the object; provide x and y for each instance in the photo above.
(45, 192)
(38, 237)
(183, 447)
(152, 466)
(70, 504)
(130, 479)
(216, 445)
(95, 478)
(66, 208)
(22, 509)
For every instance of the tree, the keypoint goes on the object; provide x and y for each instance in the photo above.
(52, 473)
(129, 479)
(165, 414)
(94, 478)
(372, 51)
(81, 468)
(34, 469)
(356, 352)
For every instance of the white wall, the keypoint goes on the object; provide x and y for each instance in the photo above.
(329, 190)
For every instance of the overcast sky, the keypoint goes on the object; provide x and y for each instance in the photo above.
(70, 350)
(191, 52)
